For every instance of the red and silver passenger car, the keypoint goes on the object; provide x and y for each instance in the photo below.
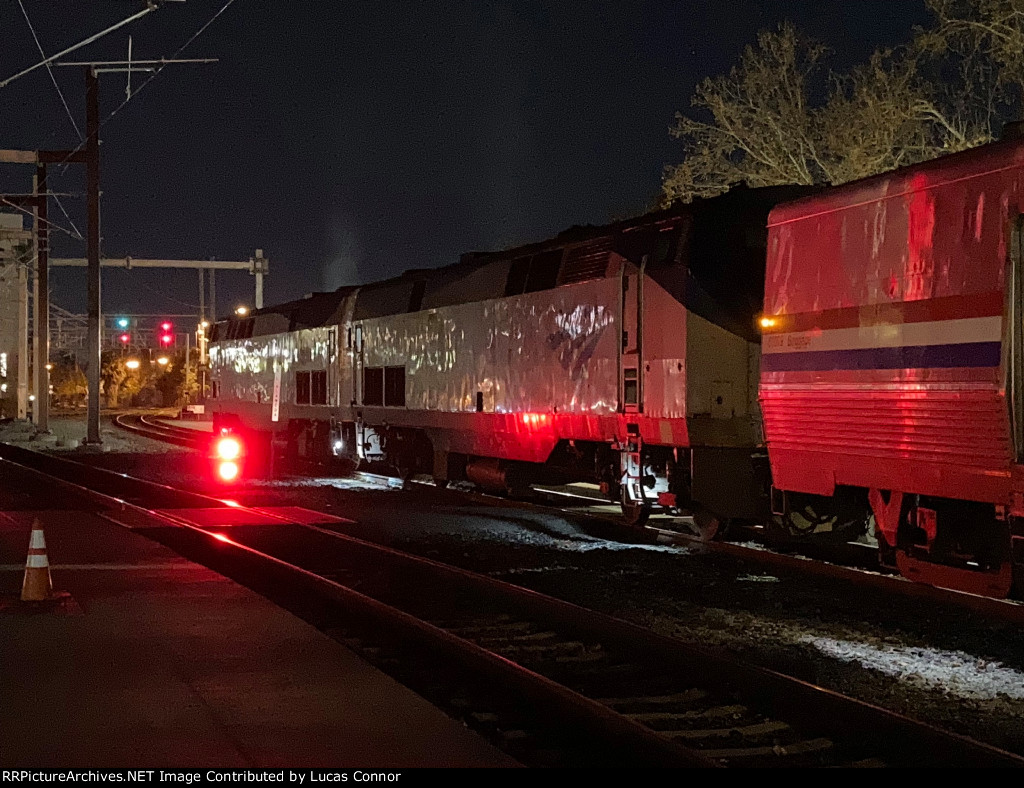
(892, 373)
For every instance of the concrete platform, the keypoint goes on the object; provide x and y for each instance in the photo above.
(169, 664)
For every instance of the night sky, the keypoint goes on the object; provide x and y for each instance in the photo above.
(355, 140)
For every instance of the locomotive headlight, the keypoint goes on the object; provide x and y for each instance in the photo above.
(337, 447)
(767, 322)
(229, 449)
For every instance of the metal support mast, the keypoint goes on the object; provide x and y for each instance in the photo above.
(41, 410)
(92, 100)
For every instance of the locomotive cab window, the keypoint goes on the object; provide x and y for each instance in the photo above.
(373, 386)
(301, 388)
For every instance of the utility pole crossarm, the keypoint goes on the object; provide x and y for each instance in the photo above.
(41, 156)
(132, 262)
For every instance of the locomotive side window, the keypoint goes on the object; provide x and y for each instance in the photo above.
(318, 387)
(301, 388)
(394, 386)
(373, 386)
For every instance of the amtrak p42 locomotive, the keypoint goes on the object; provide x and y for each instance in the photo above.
(884, 344)
(625, 354)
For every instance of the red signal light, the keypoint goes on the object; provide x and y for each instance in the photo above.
(166, 339)
(227, 471)
(166, 326)
(229, 448)
(125, 338)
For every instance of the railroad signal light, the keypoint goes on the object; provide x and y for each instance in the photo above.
(227, 471)
(166, 326)
(229, 448)
(227, 457)
(125, 338)
(166, 339)
(123, 322)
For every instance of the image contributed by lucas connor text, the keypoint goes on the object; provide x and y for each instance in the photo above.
(200, 776)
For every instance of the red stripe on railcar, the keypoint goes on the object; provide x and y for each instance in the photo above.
(989, 304)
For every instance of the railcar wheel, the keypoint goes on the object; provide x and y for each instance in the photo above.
(635, 514)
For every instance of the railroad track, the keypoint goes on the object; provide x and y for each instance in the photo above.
(152, 427)
(550, 682)
(803, 563)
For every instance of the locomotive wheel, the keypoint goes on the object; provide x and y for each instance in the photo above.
(635, 514)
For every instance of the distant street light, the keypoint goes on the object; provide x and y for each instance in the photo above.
(242, 311)
(163, 361)
(132, 363)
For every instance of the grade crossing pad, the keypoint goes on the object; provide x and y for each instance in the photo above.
(226, 516)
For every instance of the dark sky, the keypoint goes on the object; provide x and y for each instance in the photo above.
(354, 140)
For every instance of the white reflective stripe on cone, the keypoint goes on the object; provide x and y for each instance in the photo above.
(37, 562)
(38, 541)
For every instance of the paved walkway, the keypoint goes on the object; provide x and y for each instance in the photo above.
(169, 664)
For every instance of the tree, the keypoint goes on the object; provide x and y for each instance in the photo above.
(758, 126)
(68, 382)
(120, 384)
(981, 30)
(778, 118)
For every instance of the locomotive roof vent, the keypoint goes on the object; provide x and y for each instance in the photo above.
(1014, 130)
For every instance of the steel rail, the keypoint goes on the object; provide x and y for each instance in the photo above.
(995, 609)
(857, 727)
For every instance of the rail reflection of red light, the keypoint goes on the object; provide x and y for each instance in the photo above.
(221, 537)
(228, 471)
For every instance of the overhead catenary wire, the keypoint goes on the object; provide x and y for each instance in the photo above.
(95, 37)
(163, 62)
(52, 224)
(49, 69)
(67, 109)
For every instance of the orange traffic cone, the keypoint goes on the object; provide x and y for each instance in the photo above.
(37, 586)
